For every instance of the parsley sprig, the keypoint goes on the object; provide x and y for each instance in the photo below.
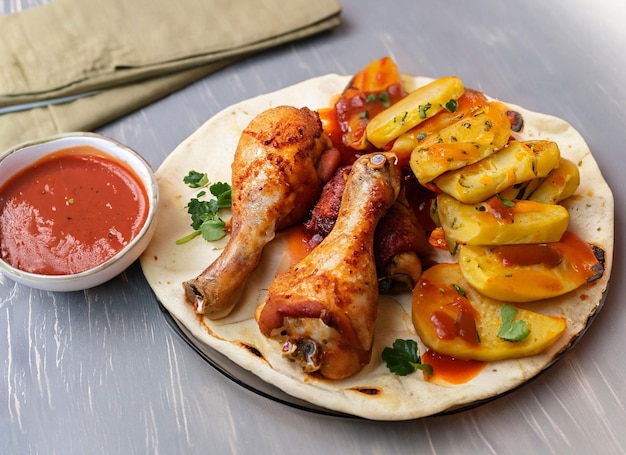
(511, 330)
(205, 219)
(403, 358)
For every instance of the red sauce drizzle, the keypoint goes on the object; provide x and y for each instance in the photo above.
(450, 370)
(550, 255)
(580, 253)
(499, 210)
(463, 327)
(444, 325)
(70, 211)
(298, 243)
(528, 254)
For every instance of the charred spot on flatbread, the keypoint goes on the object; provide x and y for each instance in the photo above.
(516, 119)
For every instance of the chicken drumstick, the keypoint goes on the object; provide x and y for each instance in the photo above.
(277, 174)
(323, 309)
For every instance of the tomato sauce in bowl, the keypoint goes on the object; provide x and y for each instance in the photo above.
(69, 212)
(75, 210)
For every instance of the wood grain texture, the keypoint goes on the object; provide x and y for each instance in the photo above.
(100, 371)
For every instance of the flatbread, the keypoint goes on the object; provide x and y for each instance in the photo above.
(166, 265)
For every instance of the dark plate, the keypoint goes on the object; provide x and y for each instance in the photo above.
(242, 376)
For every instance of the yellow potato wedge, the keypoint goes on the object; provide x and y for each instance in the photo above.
(492, 223)
(410, 111)
(488, 125)
(471, 102)
(560, 184)
(523, 273)
(454, 319)
(427, 163)
(463, 143)
(517, 162)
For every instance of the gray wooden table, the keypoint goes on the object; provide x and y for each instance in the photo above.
(101, 371)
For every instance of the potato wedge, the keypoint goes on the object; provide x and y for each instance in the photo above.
(523, 273)
(492, 223)
(517, 162)
(416, 107)
(488, 125)
(468, 104)
(427, 163)
(560, 184)
(463, 143)
(454, 319)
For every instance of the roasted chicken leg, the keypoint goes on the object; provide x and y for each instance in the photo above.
(400, 242)
(324, 308)
(277, 175)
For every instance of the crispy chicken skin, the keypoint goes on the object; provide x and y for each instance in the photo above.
(325, 212)
(324, 308)
(277, 175)
(399, 244)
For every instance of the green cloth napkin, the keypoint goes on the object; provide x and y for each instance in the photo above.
(125, 54)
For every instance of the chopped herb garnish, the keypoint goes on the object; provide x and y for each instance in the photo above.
(511, 330)
(403, 358)
(507, 202)
(451, 106)
(423, 109)
(421, 136)
(205, 220)
(401, 121)
(196, 179)
(384, 98)
(459, 290)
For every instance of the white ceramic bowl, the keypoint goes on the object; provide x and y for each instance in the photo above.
(21, 156)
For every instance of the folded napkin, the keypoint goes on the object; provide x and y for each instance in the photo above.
(112, 57)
